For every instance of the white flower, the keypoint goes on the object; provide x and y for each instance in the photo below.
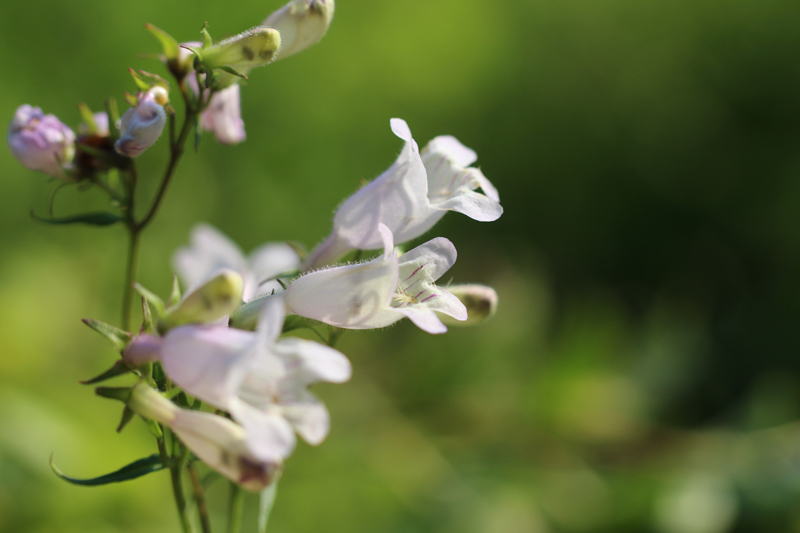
(301, 24)
(260, 380)
(217, 441)
(223, 116)
(141, 126)
(410, 197)
(211, 251)
(380, 292)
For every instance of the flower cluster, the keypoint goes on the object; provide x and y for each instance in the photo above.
(216, 366)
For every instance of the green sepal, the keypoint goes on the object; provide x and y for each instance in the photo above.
(87, 117)
(127, 416)
(119, 338)
(113, 115)
(156, 302)
(229, 70)
(99, 218)
(299, 248)
(154, 428)
(168, 42)
(118, 369)
(175, 295)
(138, 468)
(140, 83)
(206, 36)
(155, 79)
(147, 323)
(122, 394)
(131, 99)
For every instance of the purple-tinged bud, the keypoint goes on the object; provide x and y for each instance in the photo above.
(301, 23)
(223, 116)
(142, 125)
(142, 349)
(41, 142)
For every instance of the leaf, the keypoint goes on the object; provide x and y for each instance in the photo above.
(119, 338)
(118, 369)
(147, 318)
(138, 468)
(127, 416)
(87, 117)
(143, 85)
(231, 71)
(99, 218)
(266, 502)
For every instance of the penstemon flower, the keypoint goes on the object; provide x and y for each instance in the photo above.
(41, 142)
(380, 292)
(259, 379)
(301, 23)
(410, 197)
(217, 441)
(210, 250)
(141, 126)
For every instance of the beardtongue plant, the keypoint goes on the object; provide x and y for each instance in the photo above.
(214, 370)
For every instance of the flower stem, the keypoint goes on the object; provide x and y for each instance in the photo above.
(130, 277)
(177, 485)
(235, 509)
(199, 497)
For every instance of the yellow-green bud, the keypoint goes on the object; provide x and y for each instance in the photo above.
(480, 301)
(242, 52)
(218, 297)
(301, 23)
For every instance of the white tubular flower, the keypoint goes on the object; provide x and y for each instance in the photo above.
(260, 380)
(210, 250)
(41, 142)
(217, 441)
(141, 126)
(410, 197)
(382, 291)
(301, 23)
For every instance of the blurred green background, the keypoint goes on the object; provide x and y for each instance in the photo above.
(642, 372)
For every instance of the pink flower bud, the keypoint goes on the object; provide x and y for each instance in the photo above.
(142, 349)
(142, 125)
(41, 142)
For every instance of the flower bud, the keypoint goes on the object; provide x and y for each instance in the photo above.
(242, 52)
(41, 142)
(301, 23)
(217, 441)
(142, 349)
(480, 301)
(218, 297)
(142, 125)
(99, 126)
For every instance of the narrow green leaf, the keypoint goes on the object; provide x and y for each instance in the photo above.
(118, 369)
(140, 83)
(147, 315)
(127, 416)
(266, 502)
(206, 36)
(136, 469)
(99, 218)
(118, 337)
(231, 71)
(87, 117)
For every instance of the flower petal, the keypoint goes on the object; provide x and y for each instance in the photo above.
(207, 362)
(309, 362)
(429, 261)
(476, 206)
(308, 415)
(210, 250)
(268, 433)
(451, 148)
(424, 319)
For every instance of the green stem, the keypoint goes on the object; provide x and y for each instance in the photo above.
(235, 509)
(130, 277)
(199, 497)
(177, 484)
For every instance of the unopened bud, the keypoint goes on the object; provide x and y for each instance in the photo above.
(41, 142)
(148, 403)
(480, 301)
(142, 125)
(242, 52)
(142, 349)
(218, 297)
(301, 23)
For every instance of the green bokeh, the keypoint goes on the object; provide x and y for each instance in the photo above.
(642, 372)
